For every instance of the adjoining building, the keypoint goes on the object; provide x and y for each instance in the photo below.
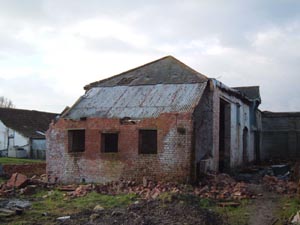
(22, 132)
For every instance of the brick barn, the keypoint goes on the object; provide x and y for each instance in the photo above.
(162, 120)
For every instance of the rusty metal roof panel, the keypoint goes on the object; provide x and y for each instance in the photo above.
(137, 101)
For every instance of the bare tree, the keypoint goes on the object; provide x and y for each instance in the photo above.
(6, 103)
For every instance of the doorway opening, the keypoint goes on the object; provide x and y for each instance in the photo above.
(224, 136)
(245, 145)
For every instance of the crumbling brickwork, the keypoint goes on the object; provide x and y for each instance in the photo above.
(172, 161)
(26, 169)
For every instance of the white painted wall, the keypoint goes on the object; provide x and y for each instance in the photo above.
(3, 136)
(15, 139)
(18, 140)
(237, 127)
(239, 120)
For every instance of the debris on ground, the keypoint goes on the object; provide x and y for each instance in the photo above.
(180, 210)
(11, 207)
(282, 171)
(63, 218)
(98, 208)
(220, 187)
(279, 186)
(148, 190)
(20, 183)
(71, 187)
(81, 190)
(17, 180)
(296, 218)
(223, 187)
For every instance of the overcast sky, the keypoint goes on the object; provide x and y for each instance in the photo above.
(50, 49)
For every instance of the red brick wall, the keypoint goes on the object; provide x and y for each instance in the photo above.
(172, 162)
(26, 169)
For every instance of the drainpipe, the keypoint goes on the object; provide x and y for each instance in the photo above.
(7, 140)
(30, 148)
(193, 166)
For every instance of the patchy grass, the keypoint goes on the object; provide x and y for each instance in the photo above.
(48, 205)
(235, 215)
(7, 160)
(3, 180)
(289, 207)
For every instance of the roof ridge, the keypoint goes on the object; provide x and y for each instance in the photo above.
(26, 110)
(247, 86)
(88, 86)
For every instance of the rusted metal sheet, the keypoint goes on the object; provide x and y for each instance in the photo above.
(137, 101)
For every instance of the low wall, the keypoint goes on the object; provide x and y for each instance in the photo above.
(26, 169)
(280, 135)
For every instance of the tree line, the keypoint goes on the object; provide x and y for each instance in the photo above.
(6, 103)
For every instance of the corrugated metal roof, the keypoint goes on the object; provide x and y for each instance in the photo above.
(137, 101)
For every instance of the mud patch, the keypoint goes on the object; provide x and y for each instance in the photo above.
(179, 210)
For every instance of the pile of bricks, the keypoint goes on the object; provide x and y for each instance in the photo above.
(147, 190)
(218, 187)
(223, 187)
(272, 183)
(20, 183)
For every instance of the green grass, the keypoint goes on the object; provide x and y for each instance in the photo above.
(6, 160)
(56, 204)
(289, 207)
(235, 215)
(2, 180)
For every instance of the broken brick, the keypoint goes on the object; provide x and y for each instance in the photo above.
(17, 180)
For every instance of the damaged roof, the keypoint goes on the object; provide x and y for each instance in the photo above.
(27, 122)
(162, 86)
(137, 101)
(251, 92)
(167, 70)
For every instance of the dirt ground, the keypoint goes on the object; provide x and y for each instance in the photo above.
(153, 212)
(263, 209)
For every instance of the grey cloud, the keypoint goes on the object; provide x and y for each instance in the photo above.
(274, 65)
(33, 92)
(110, 44)
(10, 45)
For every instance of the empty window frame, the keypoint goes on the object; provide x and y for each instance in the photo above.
(147, 141)
(109, 142)
(76, 140)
